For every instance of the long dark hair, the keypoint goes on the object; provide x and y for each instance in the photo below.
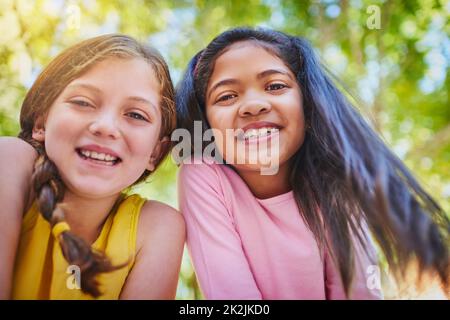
(343, 176)
(46, 181)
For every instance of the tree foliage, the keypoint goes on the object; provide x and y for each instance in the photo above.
(398, 69)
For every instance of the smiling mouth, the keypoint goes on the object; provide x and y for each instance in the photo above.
(98, 157)
(254, 134)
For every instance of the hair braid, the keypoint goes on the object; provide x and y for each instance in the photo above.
(49, 190)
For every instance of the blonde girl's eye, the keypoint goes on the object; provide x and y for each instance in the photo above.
(276, 86)
(137, 116)
(81, 103)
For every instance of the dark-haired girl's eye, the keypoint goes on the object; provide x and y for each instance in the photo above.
(226, 97)
(276, 86)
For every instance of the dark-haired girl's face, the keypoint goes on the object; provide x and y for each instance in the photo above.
(253, 92)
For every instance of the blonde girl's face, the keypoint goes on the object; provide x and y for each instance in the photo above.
(253, 92)
(102, 132)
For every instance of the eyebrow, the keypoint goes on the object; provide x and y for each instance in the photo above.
(85, 86)
(98, 91)
(270, 72)
(140, 99)
(259, 76)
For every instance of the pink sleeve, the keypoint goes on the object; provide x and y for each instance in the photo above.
(212, 240)
(365, 262)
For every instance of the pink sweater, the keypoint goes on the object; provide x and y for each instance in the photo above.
(247, 248)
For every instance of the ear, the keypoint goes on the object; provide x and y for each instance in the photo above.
(38, 133)
(158, 152)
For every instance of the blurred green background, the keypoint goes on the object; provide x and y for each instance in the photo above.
(393, 55)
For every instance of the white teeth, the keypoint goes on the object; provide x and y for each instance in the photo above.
(98, 155)
(252, 133)
(258, 133)
(86, 153)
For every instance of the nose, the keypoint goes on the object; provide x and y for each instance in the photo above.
(254, 107)
(105, 125)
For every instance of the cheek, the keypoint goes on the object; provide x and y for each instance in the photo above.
(299, 117)
(142, 144)
(211, 117)
(59, 133)
(220, 116)
(295, 119)
(220, 121)
(297, 129)
(296, 111)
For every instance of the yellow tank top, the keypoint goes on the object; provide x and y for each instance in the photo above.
(41, 272)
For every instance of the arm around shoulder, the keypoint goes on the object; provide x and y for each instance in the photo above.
(16, 168)
(160, 244)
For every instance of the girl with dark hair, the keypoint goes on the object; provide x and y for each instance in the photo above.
(302, 232)
(99, 117)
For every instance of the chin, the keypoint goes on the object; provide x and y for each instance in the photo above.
(94, 190)
(250, 167)
(256, 161)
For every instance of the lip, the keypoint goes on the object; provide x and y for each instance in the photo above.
(99, 149)
(260, 124)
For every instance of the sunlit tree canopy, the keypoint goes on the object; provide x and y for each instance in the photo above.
(393, 56)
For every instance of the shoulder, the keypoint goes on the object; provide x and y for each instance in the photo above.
(200, 173)
(16, 147)
(159, 212)
(16, 167)
(199, 167)
(18, 157)
(161, 221)
(159, 251)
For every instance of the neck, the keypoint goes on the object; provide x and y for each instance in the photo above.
(86, 216)
(267, 186)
